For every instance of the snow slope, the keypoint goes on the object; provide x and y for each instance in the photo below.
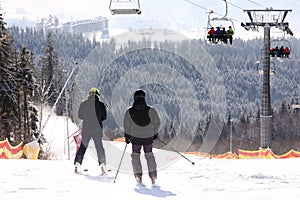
(178, 179)
(207, 179)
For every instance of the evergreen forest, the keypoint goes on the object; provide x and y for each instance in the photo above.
(220, 81)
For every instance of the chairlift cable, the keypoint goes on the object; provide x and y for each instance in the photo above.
(202, 7)
(196, 5)
(257, 3)
(209, 9)
(235, 5)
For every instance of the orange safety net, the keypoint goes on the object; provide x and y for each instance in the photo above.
(261, 153)
(266, 153)
(291, 154)
(120, 139)
(227, 155)
(247, 154)
(10, 152)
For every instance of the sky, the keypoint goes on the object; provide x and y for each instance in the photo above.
(175, 12)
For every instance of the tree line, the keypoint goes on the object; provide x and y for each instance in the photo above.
(34, 65)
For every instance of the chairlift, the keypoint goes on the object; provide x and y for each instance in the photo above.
(221, 20)
(261, 71)
(125, 7)
(281, 42)
(295, 102)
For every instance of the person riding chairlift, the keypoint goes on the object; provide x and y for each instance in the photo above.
(224, 35)
(211, 35)
(281, 51)
(277, 51)
(218, 34)
(230, 33)
(272, 52)
(286, 52)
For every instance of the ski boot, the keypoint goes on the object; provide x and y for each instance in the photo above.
(103, 169)
(77, 168)
(154, 183)
(139, 181)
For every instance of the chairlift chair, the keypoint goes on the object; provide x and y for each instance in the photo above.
(218, 19)
(295, 106)
(261, 71)
(281, 42)
(125, 7)
(296, 102)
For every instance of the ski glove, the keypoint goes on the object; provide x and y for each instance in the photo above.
(155, 136)
(127, 138)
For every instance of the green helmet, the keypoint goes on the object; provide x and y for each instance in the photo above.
(94, 91)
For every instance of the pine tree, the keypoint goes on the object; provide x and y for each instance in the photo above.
(8, 98)
(52, 77)
(198, 135)
(172, 130)
(27, 113)
(242, 118)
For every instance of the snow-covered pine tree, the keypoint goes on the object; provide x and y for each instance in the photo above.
(27, 112)
(8, 99)
(52, 76)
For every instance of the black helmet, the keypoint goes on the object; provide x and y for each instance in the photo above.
(139, 94)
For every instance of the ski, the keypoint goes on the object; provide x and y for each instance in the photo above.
(142, 186)
(86, 170)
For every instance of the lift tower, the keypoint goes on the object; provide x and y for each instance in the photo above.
(266, 18)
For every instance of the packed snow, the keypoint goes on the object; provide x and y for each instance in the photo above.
(178, 179)
(207, 179)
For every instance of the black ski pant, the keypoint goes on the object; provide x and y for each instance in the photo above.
(136, 160)
(83, 146)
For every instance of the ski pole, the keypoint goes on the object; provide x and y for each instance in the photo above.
(120, 163)
(176, 151)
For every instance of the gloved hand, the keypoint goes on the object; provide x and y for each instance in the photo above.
(127, 138)
(155, 136)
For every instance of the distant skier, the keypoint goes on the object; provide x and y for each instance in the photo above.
(141, 124)
(92, 111)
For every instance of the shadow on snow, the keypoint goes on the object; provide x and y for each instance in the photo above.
(156, 192)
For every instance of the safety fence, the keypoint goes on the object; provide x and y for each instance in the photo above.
(31, 151)
(10, 152)
(262, 153)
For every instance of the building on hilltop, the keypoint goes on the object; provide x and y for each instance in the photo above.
(98, 24)
(48, 23)
(88, 25)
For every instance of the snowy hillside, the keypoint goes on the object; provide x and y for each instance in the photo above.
(207, 179)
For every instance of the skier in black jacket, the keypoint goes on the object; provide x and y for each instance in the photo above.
(141, 124)
(92, 111)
